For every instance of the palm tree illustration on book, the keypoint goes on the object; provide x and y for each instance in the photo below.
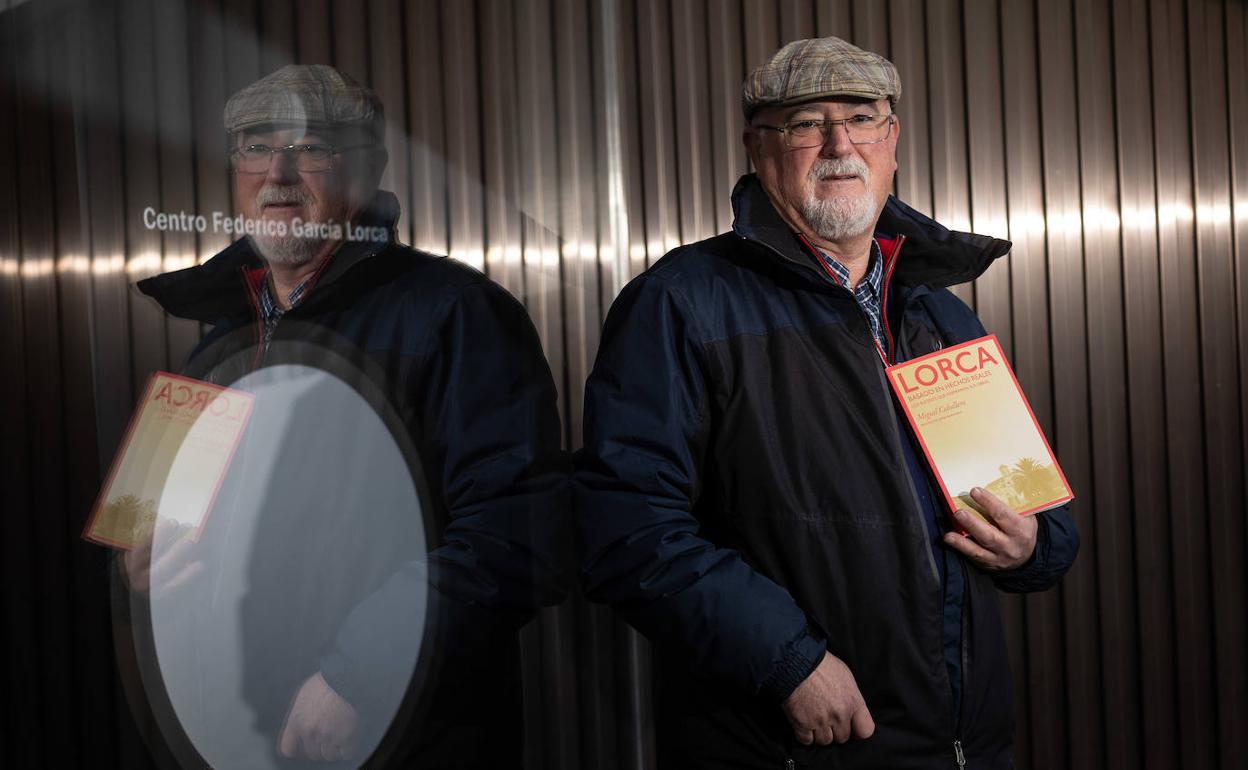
(128, 518)
(1026, 484)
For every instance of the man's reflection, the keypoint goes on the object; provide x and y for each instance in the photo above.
(458, 367)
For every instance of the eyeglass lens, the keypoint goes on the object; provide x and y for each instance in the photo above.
(258, 158)
(815, 133)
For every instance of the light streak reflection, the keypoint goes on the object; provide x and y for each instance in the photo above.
(104, 266)
(474, 257)
(1216, 214)
(73, 265)
(144, 264)
(1092, 218)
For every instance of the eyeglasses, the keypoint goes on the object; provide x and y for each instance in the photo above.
(861, 129)
(257, 158)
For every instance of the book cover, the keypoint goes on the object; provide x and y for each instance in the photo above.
(174, 456)
(977, 429)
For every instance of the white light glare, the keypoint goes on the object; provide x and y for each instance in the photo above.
(146, 263)
(474, 257)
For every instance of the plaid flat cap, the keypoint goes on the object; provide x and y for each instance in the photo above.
(815, 69)
(313, 95)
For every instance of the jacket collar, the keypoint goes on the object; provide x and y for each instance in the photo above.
(933, 255)
(216, 289)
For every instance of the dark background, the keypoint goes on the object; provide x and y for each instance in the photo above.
(562, 145)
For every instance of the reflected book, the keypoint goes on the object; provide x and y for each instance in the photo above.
(977, 429)
(177, 448)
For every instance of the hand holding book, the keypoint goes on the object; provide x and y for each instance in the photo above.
(162, 561)
(995, 538)
(977, 429)
(172, 461)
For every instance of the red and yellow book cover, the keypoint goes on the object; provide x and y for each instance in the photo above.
(172, 460)
(977, 429)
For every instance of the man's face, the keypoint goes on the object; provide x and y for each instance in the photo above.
(836, 190)
(284, 193)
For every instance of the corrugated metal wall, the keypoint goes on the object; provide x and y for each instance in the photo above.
(563, 145)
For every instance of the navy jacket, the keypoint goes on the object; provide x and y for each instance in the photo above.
(744, 501)
(459, 367)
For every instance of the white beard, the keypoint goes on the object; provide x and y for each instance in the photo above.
(288, 250)
(840, 217)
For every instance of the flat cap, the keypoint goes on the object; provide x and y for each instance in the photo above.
(815, 69)
(313, 95)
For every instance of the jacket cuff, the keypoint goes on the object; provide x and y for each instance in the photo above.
(804, 656)
(1029, 576)
(336, 671)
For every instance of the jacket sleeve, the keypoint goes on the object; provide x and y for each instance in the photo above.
(637, 479)
(1057, 544)
(495, 437)
(491, 446)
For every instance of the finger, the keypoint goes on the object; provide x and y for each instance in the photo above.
(996, 510)
(840, 726)
(970, 549)
(161, 536)
(173, 553)
(825, 735)
(863, 724)
(188, 573)
(287, 744)
(329, 752)
(805, 736)
(843, 736)
(166, 568)
(985, 534)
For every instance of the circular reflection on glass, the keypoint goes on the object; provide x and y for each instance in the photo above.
(308, 572)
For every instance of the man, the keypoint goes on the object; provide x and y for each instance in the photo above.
(453, 366)
(749, 495)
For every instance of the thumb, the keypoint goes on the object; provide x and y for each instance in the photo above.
(862, 724)
(287, 744)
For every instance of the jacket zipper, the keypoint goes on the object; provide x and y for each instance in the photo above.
(962, 649)
(959, 755)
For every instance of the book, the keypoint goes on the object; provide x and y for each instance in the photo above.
(977, 429)
(172, 461)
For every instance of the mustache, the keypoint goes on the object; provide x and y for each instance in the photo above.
(272, 193)
(838, 167)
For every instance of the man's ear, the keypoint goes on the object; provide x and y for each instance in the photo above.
(894, 137)
(750, 138)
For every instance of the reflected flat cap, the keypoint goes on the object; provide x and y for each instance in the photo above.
(815, 69)
(313, 95)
